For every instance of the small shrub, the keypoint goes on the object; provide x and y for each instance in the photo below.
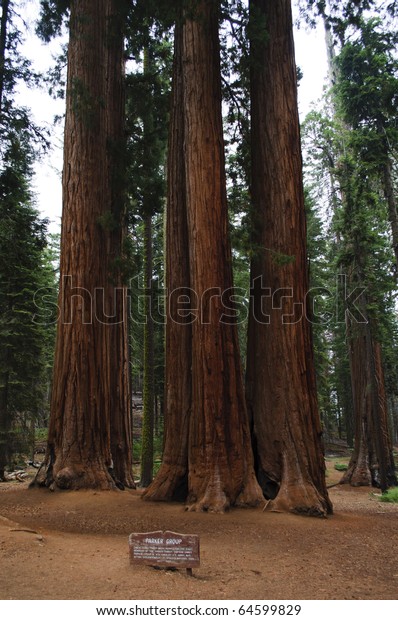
(340, 466)
(41, 434)
(137, 450)
(390, 496)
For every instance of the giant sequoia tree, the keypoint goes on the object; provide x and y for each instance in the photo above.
(281, 391)
(346, 150)
(89, 442)
(209, 461)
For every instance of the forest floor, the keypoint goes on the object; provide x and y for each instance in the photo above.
(74, 545)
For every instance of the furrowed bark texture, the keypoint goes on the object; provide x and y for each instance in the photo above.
(118, 359)
(89, 444)
(281, 390)
(217, 453)
(372, 461)
(220, 460)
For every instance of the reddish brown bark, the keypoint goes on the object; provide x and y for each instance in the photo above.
(89, 440)
(217, 453)
(220, 460)
(372, 461)
(281, 390)
(118, 360)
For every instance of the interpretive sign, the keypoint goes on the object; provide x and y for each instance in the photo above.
(165, 549)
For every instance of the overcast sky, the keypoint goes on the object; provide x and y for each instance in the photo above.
(310, 57)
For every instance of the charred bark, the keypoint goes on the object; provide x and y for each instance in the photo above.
(89, 443)
(280, 382)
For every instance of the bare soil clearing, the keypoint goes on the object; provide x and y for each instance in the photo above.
(77, 548)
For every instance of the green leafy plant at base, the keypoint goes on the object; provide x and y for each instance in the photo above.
(41, 434)
(340, 466)
(390, 496)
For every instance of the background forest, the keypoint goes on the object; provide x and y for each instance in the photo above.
(139, 161)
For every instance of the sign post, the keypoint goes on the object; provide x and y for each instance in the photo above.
(165, 549)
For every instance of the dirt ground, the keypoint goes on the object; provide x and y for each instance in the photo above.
(74, 545)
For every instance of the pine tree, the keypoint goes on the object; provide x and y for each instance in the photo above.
(367, 93)
(26, 338)
(147, 121)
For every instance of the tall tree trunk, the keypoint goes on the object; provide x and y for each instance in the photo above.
(372, 461)
(208, 461)
(5, 425)
(171, 482)
(90, 435)
(348, 411)
(148, 395)
(149, 378)
(220, 460)
(5, 10)
(119, 362)
(388, 188)
(281, 390)
(5, 414)
(330, 52)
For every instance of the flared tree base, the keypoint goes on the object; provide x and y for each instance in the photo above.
(296, 491)
(357, 476)
(74, 477)
(301, 499)
(170, 485)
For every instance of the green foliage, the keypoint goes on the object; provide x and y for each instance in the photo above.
(367, 93)
(391, 496)
(53, 14)
(84, 105)
(342, 17)
(41, 434)
(27, 275)
(348, 188)
(107, 221)
(148, 96)
(368, 84)
(340, 466)
(26, 328)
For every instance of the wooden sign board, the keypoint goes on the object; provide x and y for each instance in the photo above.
(165, 549)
